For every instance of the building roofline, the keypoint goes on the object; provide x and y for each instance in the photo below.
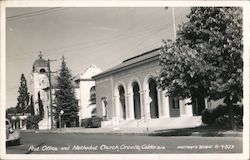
(119, 69)
(140, 55)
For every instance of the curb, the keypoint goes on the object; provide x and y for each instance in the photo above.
(199, 134)
(163, 134)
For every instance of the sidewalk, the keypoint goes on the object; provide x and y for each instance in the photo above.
(144, 132)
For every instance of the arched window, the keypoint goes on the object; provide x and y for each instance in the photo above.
(92, 95)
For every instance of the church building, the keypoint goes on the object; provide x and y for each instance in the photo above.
(83, 85)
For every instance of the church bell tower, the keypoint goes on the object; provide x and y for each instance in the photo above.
(39, 82)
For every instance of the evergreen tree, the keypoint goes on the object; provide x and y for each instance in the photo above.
(65, 97)
(23, 98)
(30, 108)
(206, 59)
(40, 106)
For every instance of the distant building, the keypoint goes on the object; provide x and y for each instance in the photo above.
(18, 120)
(87, 91)
(127, 96)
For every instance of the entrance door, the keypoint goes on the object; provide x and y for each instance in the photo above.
(198, 105)
(137, 103)
(122, 102)
(154, 111)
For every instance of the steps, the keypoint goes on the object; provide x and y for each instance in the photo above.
(166, 123)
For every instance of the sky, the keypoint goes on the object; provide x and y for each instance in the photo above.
(103, 36)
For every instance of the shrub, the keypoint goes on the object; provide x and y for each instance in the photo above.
(220, 115)
(84, 122)
(207, 117)
(238, 114)
(32, 121)
(93, 122)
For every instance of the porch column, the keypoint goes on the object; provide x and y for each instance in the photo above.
(130, 106)
(186, 109)
(146, 104)
(206, 104)
(165, 105)
(116, 106)
(21, 124)
(142, 103)
(159, 99)
(116, 112)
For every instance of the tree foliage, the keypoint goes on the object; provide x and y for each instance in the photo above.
(23, 97)
(32, 121)
(207, 55)
(30, 108)
(65, 96)
(40, 105)
(206, 58)
(11, 111)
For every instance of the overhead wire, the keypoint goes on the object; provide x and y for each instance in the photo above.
(122, 36)
(142, 42)
(35, 13)
(151, 32)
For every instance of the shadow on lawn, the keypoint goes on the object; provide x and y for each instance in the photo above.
(206, 131)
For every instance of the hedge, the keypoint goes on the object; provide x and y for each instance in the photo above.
(220, 115)
(93, 122)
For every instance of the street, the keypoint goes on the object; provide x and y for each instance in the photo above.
(67, 143)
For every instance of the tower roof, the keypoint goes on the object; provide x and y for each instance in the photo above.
(40, 62)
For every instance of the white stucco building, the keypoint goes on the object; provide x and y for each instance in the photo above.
(86, 90)
(127, 96)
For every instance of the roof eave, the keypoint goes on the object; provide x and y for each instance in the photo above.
(108, 73)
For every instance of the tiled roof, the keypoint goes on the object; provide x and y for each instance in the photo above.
(149, 56)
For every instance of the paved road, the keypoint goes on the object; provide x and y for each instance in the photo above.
(66, 143)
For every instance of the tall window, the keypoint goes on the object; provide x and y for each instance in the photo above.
(104, 108)
(92, 95)
(175, 102)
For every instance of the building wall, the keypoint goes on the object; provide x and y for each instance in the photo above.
(40, 81)
(104, 90)
(138, 73)
(108, 87)
(211, 104)
(84, 96)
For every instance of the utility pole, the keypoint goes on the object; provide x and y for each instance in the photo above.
(50, 92)
(173, 20)
(174, 24)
